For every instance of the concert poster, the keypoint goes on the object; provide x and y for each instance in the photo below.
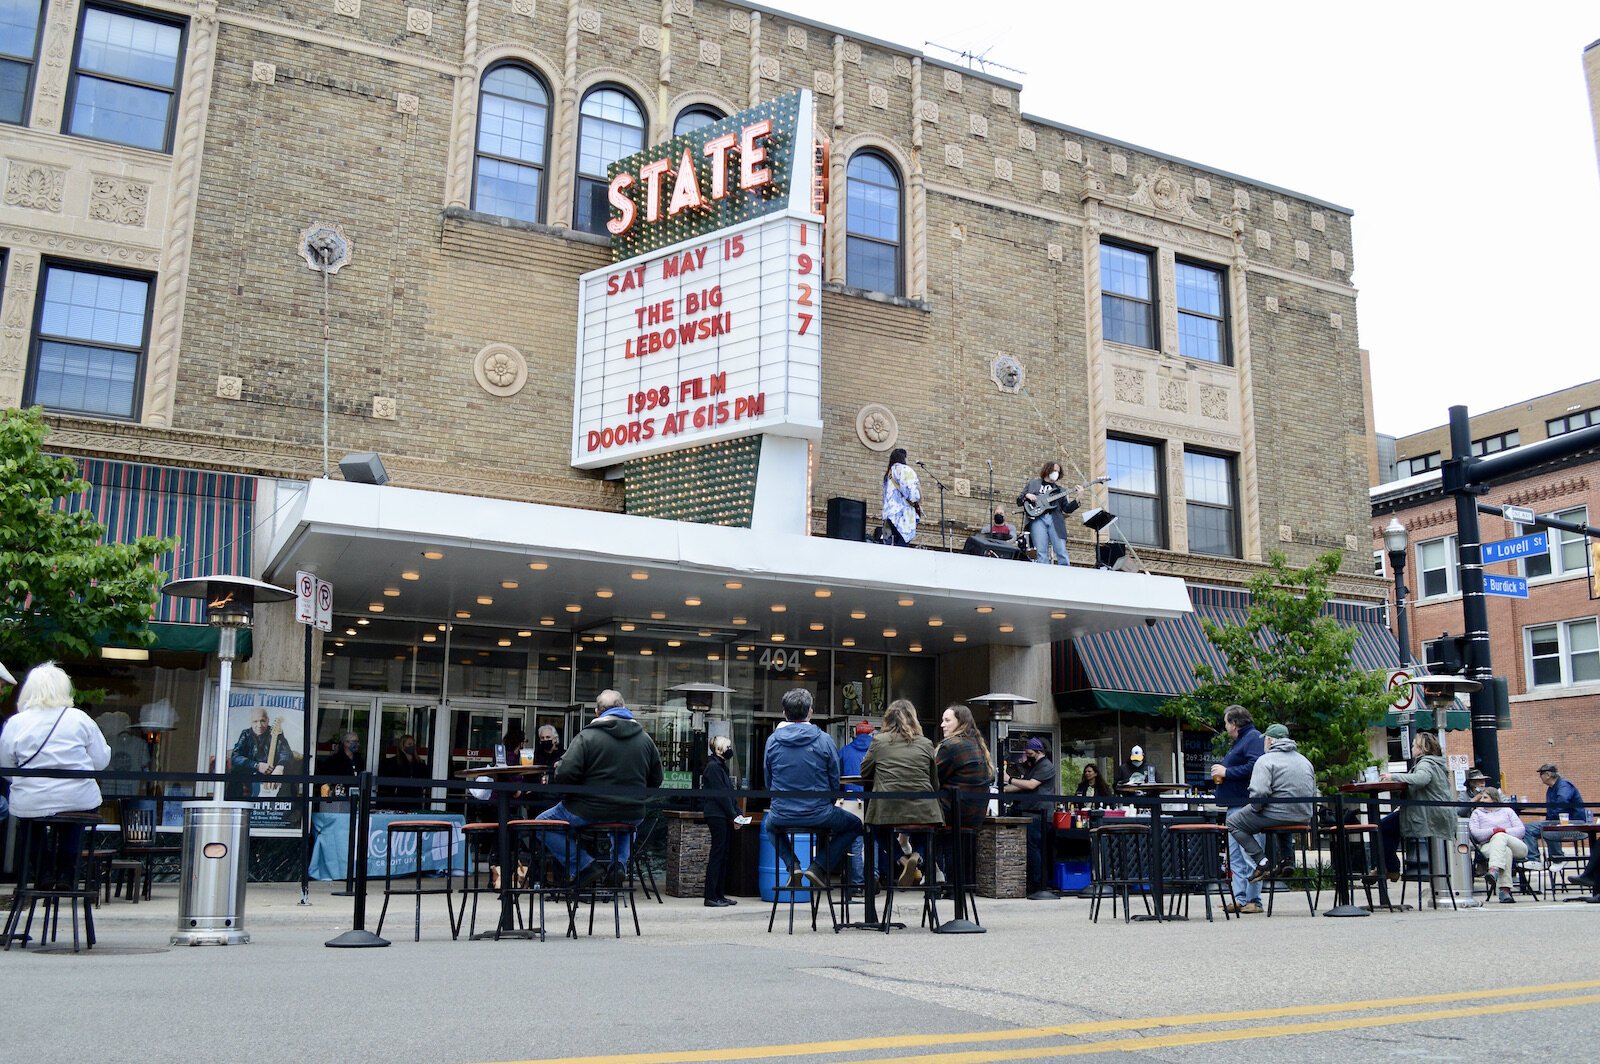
(264, 729)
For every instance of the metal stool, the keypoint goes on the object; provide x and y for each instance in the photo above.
(925, 834)
(1200, 857)
(423, 830)
(1121, 856)
(1428, 863)
(609, 875)
(817, 839)
(476, 838)
(52, 870)
(1294, 837)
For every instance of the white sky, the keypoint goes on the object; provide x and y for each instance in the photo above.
(1459, 134)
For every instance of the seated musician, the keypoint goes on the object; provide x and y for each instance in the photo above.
(1001, 530)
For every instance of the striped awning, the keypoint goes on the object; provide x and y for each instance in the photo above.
(1137, 669)
(209, 514)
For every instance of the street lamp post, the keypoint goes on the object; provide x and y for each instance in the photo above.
(1395, 541)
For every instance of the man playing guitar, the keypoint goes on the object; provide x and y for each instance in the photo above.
(1046, 505)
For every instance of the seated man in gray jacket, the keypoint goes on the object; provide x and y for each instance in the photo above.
(1281, 772)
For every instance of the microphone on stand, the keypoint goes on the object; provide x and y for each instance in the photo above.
(919, 462)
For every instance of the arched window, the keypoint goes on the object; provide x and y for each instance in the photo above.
(513, 144)
(872, 224)
(694, 117)
(610, 127)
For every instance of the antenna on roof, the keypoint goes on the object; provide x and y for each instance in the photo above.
(975, 60)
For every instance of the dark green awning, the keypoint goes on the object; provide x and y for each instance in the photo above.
(190, 639)
(1424, 720)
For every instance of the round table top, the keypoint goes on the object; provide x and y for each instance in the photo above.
(1151, 788)
(1374, 787)
(499, 770)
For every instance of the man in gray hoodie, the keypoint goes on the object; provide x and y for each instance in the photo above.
(801, 757)
(1281, 772)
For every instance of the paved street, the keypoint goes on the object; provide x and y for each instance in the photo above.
(1517, 983)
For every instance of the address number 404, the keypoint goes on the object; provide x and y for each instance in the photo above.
(779, 660)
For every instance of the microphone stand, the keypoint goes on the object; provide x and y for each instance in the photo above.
(944, 531)
(991, 487)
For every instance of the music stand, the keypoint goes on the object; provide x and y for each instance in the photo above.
(1098, 519)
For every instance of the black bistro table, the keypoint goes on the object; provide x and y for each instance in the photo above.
(1370, 791)
(1157, 841)
(507, 926)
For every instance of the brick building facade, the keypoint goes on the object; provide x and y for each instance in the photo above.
(982, 338)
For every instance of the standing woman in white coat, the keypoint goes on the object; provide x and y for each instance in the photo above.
(48, 732)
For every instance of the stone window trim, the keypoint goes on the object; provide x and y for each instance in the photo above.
(36, 336)
(174, 91)
(839, 289)
(693, 112)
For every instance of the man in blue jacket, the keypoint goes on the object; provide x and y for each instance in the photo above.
(850, 758)
(1232, 779)
(801, 757)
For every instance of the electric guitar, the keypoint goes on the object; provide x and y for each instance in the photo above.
(270, 790)
(1051, 497)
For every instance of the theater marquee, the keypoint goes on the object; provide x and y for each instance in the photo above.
(714, 330)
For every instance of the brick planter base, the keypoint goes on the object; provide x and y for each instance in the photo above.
(688, 846)
(1003, 857)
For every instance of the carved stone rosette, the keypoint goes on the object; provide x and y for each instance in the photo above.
(876, 427)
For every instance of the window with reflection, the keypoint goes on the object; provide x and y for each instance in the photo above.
(1202, 312)
(513, 144)
(610, 127)
(1208, 484)
(124, 86)
(19, 51)
(1135, 494)
(872, 223)
(695, 117)
(1127, 296)
(89, 346)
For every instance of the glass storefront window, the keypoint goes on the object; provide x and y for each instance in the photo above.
(334, 718)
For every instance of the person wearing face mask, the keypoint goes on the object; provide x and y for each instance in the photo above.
(721, 819)
(1045, 504)
(404, 763)
(547, 746)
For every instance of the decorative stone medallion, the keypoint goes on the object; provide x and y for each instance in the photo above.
(325, 244)
(1007, 374)
(500, 369)
(876, 427)
(230, 387)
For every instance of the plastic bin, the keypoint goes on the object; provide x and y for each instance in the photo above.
(769, 860)
(1072, 875)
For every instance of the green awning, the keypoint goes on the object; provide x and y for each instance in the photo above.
(191, 639)
(1424, 720)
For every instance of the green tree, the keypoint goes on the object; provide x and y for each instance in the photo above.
(64, 590)
(1288, 663)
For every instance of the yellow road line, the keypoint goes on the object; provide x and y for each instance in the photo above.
(1242, 1034)
(911, 1041)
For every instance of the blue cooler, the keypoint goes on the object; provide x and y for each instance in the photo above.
(769, 861)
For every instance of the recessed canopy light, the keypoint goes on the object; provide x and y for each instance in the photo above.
(349, 631)
(600, 638)
(525, 633)
(639, 574)
(547, 622)
(327, 653)
(538, 567)
(411, 574)
(778, 637)
(778, 607)
(741, 620)
(915, 648)
(441, 628)
(935, 622)
(483, 653)
(858, 615)
(745, 649)
(816, 626)
(658, 615)
(463, 615)
(691, 601)
(674, 642)
(810, 653)
(702, 633)
(433, 555)
(603, 592)
(732, 585)
(985, 609)
(391, 592)
(338, 642)
(960, 639)
(889, 633)
(847, 642)
(430, 638)
(375, 607)
(485, 600)
(573, 607)
(509, 585)
(822, 592)
(1058, 615)
(646, 651)
(713, 657)
(625, 627)
(1008, 628)
(502, 642)
(908, 601)
(363, 621)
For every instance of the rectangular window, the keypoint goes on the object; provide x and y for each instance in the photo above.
(1564, 653)
(89, 342)
(1567, 549)
(1436, 567)
(1208, 485)
(1135, 494)
(1127, 296)
(19, 49)
(1560, 426)
(1202, 312)
(1410, 467)
(1494, 444)
(124, 85)
(1380, 564)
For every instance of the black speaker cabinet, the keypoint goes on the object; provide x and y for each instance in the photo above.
(847, 519)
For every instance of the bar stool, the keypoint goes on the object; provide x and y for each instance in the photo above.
(1360, 836)
(1121, 855)
(969, 867)
(477, 842)
(423, 832)
(818, 839)
(50, 846)
(912, 841)
(1200, 852)
(610, 874)
(1294, 837)
(1426, 860)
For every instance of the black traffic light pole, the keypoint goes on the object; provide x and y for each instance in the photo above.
(1467, 477)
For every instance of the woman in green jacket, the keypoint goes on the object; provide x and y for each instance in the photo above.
(901, 759)
(1428, 781)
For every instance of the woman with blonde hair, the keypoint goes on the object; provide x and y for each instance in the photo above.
(901, 759)
(721, 820)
